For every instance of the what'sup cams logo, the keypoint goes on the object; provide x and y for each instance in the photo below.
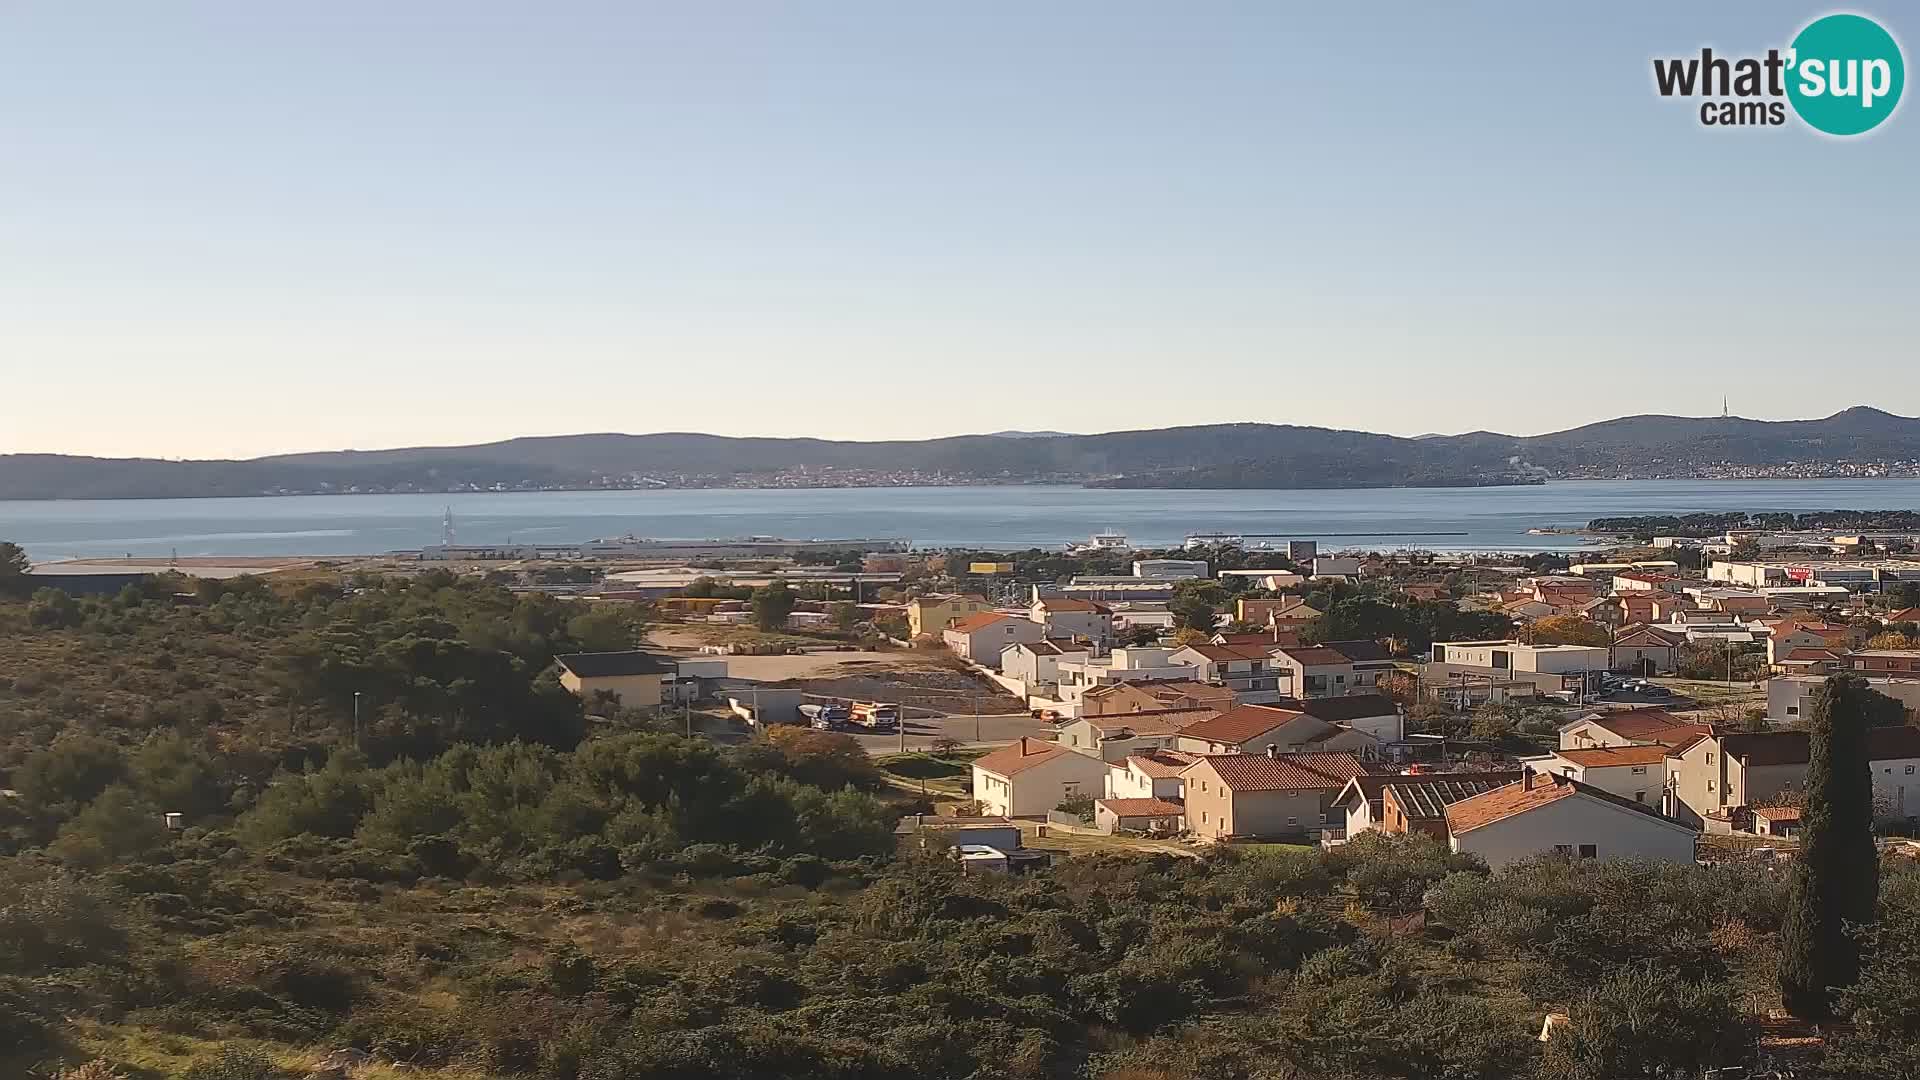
(1842, 75)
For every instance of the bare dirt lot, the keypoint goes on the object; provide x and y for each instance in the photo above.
(923, 682)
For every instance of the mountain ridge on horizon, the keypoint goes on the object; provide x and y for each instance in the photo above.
(1231, 455)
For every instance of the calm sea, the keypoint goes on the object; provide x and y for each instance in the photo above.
(1452, 519)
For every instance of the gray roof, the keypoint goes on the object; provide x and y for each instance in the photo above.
(604, 665)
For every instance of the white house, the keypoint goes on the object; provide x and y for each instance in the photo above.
(1030, 777)
(1153, 775)
(1065, 617)
(1037, 663)
(1542, 814)
(1121, 665)
(981, 638)
(1638, 773)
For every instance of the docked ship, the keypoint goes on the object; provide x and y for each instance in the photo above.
(1110, 540)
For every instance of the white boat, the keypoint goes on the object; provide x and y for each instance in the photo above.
(1111, 540)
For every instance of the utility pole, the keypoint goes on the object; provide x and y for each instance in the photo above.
(976, 718)
(356, 718)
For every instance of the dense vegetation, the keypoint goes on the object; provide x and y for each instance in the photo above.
(479, 881)
(1717, 523)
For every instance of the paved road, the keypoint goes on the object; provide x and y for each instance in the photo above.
(993, 730)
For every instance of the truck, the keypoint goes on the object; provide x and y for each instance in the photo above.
(830, 716)
(876, 715)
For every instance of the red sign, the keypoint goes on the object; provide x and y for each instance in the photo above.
(1799, 573)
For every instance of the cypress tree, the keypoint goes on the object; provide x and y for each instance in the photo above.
(1837, 878)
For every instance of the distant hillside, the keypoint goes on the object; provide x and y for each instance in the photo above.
(1208, 456)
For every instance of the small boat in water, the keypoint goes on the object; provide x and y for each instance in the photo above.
(1110, 540)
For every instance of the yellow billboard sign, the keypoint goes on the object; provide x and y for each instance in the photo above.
(990, 568)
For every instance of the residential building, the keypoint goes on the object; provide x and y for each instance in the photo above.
(1139, 815)
(1370, 660)
(1363, 800)
(1789, 634)
(982, 638)
(1066, 617)
(1029, 777)
(1247, 671)
(1645, 581)
(1629, 727)
(1790, 697)
(1154, 774)
(1631, 772)
(1283, 612)
(1514, 656)
(1315, 671)
(1262, 795)
(1258, 729)
(1375, 714)
(1715, 774)
(1175, 569)
(1117, 699)
(1131, 664)
(1542, 814)
(1645, 650)
(1266, 579)
(636, 679)
(1037, 663)
(1818, 663)
(1335, 566)
(929, 615)
(1885, 663)
(1114, 738)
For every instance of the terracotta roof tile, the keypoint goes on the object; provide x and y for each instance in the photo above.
(1283, 772)
(1608, 756)
(1015, 758)
(981, 621)
(1241, 723)
(1163, 765)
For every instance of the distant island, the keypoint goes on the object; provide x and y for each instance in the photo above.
(1856, 442)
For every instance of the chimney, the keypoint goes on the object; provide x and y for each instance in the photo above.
(1273, 751)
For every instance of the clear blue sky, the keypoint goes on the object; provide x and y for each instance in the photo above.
(232, 229)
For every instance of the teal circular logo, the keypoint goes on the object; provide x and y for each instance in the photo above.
(1845, 74)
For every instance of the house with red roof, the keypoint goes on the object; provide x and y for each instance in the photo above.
(1029, 777)
(1547, 814)
(1265, 794)
(982, 637)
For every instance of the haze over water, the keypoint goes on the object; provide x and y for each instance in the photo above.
(1451, 519)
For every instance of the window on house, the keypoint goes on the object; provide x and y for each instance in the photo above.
(1639, 796)
(1203, 817)
(1909, 770)
(1293, 823)
(1639, 770)
(1563, 849)
(1793, 710)
(1589, 851)
(1709, 785)
(1709, 757)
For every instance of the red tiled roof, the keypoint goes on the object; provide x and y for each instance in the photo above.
(1283, 772)
(1608, 756)
(1778, 813)
(1143, 807)
(1162, 765)
(1638, 723)
(1018, 757)
(981, 621)
(1530, 793)
(1241, 723)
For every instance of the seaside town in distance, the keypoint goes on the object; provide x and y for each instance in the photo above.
(1646, 703)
